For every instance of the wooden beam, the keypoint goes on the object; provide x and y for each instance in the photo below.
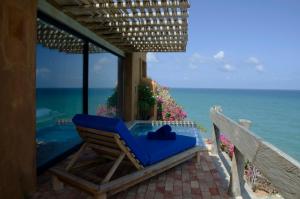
(110, 6)
(241, 137)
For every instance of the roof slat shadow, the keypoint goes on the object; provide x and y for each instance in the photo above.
(131, 25)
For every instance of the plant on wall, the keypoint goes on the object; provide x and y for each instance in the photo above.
(146, 101)
(168, 109)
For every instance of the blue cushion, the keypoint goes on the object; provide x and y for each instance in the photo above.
(113, 125)
(159, 150)
(146, 151)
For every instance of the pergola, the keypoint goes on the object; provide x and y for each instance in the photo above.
(130, 25)
(53, 38)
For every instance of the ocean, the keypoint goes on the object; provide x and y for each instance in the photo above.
(275, 114)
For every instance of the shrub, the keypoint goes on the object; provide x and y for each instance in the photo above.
(146, 101)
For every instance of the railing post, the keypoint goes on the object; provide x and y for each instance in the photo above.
(215, 133)
(237, 167)
(216, 140)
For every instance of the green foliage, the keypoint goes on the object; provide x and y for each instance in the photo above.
(146, 100)
(112, 100)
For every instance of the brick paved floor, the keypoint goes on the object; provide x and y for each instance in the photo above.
(187, 180)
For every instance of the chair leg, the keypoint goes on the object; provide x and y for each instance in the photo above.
(100, 196)
(76, 156)
(57, 184)
(198, 156)
(114, 168)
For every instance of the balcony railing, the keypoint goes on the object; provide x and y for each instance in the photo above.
(279, 168)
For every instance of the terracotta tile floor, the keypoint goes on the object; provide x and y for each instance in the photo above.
(187, 180)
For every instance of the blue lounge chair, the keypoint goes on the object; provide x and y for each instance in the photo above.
(111, 138)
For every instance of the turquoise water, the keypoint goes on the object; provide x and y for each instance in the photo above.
(275, 114)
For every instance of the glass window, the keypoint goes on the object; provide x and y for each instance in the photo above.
(58, 91)
(103, 83)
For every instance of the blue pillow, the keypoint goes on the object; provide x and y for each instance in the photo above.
(163, 133)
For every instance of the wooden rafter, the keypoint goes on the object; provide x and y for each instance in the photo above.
(51, 37)
(133, 24)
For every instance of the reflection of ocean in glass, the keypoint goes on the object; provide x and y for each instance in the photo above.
(54, 106)
(68, 101)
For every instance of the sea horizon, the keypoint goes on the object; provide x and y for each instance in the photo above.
(204, 88)
(274, 113)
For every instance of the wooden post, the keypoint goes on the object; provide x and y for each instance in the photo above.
(57, 184)
(237, 167)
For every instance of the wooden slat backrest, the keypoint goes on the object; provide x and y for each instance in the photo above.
(107, 143)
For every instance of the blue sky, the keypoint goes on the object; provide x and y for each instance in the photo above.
(235, 44)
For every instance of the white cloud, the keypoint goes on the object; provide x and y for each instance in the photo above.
(228, 68)
(195, 60)
(253, 60)
(185, 77)
(258, 66)
(151, 57)
(219, 56)
(98, 66)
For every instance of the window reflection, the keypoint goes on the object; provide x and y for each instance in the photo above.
(103, 82)
(58, 91)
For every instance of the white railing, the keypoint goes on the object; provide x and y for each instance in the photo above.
(279, 168)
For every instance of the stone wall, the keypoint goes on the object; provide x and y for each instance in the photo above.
(17, 115)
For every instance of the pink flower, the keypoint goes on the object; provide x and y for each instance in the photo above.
(103, 110)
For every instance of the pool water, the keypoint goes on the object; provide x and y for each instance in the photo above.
(143, 128)
(54, 141)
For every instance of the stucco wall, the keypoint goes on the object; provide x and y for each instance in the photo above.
(132, 77)
(17, 105)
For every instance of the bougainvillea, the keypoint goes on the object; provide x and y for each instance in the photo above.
(104, 110)
(169, 110)
(226, 145)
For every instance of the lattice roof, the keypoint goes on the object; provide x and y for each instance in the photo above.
(51, 37)
(133, 25)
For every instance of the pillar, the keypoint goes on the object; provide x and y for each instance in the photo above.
(17, 105)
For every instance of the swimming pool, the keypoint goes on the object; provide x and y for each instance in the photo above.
(142, 128)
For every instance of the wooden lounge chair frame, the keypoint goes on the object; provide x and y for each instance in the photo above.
(115, 148)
